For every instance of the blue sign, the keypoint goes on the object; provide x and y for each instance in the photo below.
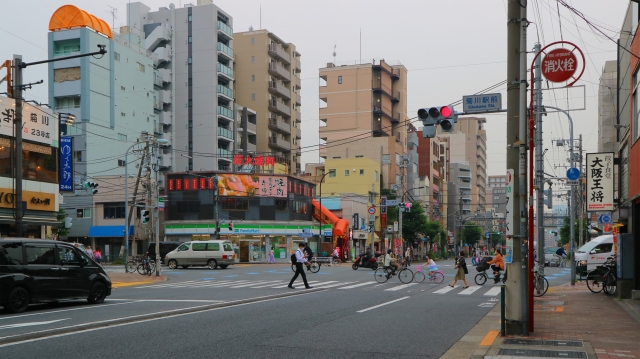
(305, 235)
(573, 173)
(488, 234)
(604, 218)
(66, 164)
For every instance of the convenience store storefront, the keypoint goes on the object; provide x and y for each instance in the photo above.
(252, 242)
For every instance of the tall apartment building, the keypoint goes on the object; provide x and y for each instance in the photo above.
(363, 113)
(469, 144)
(459, 193)
(607, 116)
(268, 81)
(194, 72)
(433, 163)
(497, 181)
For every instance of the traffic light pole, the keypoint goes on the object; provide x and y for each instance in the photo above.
(539, 164)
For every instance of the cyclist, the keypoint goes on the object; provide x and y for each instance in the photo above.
(497, 264)
(336, 253)
(431, 265)
(562, 254)
(391, 262)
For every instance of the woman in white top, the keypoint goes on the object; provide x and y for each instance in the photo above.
(431, 265)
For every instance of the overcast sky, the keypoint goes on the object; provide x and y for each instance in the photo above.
(450, 47)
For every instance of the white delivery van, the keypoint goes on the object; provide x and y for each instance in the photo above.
(596, 251)
(211, 253)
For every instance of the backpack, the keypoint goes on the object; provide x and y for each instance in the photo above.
(293, 259)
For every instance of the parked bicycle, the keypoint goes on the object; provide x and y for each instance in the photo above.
(540, 284)
(132, 264)
(603, 278)
(147, 267)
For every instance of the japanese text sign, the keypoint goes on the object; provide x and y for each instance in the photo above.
(559, 65)
(39, 124)
(255, 161)
(599, 172)
(482, 103)
(237, 185)
(66, 164)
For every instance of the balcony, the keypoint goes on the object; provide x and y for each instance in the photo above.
(276, 51)
(157, 106)
(395, 74)
(277, 124)
(395, 118)
(279, 89)
(377, 129)
(395, 96)
(296, 65)
(225, 133)
(298, 133)
(225, 30)
(278, 71)
(166, 97)
(435, 188)
(165, 118)
(298, 99)
(225, 92)
(225, 51)
(323, 151)
(382, 110)
(164, 54)
(298, 117)
(279, 143)
(298, 83)
(251, 127)
(225, 154)
(165, 76)
(226, 112)
(157, 82)
(378, 86)
(435, 173)
(279, 107)
(225, 71)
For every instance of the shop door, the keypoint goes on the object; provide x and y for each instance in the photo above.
(244, 251)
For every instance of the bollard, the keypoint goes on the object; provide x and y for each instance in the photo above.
(502, 315)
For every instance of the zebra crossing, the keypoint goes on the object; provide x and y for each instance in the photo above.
(281, 284)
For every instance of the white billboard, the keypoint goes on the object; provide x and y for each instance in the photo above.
(39, 124)
(599, 173)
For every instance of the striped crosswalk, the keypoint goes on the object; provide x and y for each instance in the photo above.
(329, 284)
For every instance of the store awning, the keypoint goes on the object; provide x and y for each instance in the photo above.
(108, 231)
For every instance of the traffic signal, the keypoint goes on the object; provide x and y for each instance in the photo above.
(67, 222)
(444, 116)
(407, 207)
(144, 214)
(91, 187)
(231, 226)
(548, 201)
(401, 206)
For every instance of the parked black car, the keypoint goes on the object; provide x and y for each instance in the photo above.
(40, 270)
(165, 247)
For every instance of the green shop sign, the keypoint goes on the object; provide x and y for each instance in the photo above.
(244, 228)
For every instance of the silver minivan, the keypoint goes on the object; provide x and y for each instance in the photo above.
(211, 253)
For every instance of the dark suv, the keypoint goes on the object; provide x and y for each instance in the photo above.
(40, 270)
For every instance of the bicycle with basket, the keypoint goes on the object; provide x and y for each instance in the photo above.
(604, 278)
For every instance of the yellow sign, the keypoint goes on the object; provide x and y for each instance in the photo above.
(36, 201)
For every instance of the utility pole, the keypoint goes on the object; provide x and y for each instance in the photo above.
(581, 212)
(129, 215)
(17, 129)
(516, 307)
(537, 109)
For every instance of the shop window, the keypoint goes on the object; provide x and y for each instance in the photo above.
(282, 205)
(113, 210)
(38, 162)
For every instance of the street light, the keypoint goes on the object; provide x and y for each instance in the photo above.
(320, 216)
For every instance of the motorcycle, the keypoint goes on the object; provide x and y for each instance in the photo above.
(371, 263)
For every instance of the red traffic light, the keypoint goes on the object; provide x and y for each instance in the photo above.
(446, 111)
(231, 226)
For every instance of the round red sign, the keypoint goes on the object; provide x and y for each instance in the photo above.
(559, 65)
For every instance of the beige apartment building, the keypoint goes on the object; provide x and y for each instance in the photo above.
(267, 79)
(469, 144)
(363, 113)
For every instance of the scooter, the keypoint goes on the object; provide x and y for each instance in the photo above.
(371, 263)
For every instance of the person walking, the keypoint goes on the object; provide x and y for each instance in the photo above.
(407, 255)
(97, 254)
(272, 258)
(89, 252)
(301, 258)
(461, 265)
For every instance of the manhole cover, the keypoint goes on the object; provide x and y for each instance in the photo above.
(549, 343)
(542, 353)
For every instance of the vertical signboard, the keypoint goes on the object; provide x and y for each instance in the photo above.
(66, 164)
(508, 250)
(599, 173)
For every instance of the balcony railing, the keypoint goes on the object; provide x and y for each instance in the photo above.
(275, 87)
(157, 105)
(296, 64)
(298, 99)
(226, 50)
(395, 74)
(278, 106)
(395, 96)
(298, 133)
(226, 133)
(279, 125)
(224, 153)
(225, 91)
(222, 69)
(298, 116)
(225, 112)
(279, 71)
(157, 82)
(396, 117)
(279, 143)
(225, 29)
(251, 127)
(298, 83)
(377, 85)
(278, 52)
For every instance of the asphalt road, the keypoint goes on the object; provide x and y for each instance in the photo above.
(347, 314)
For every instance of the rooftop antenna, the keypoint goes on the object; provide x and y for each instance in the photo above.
(113, 16)
(334, 54)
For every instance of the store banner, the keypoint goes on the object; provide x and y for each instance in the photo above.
(599, 174)
(39, 124)
(66, 164)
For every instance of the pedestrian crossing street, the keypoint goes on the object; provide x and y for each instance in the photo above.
(280, 284)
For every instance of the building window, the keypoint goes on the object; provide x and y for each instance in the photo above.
(190, 83)
(116, 56)
(281, 204)
(361, 172)
(414, 167)
(122, 88)
(253, 78)
(376, 176)
(67, 102)
(113, 210)
(66, 74)
(398, 180)
(77, 156)
(386, 159)
(190, 102)
(346, 172)
(83, 213)
(253, 97)
(496, 205)
(121, 163)
(340, 80)
(235, 204)
(496, 197)
(332, 173)
(190, 18)
(122, 137)
(190, 39)
(139, 67)
(189, 61)
(122, 114)
(253, 41)
(253, 59)
(66, 47)
(359, 156)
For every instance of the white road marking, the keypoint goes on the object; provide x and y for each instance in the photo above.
(308, 282)
(445, 290)
(175, 300)
(381, 305)
(167, 284)
(469, 290)
(269, 282)
(213, 284)
(71, 309)
(357, 285)
(280, 282)
(331, 285)
(20, 325)
(400, 287)
(493, 291)
(325, 283)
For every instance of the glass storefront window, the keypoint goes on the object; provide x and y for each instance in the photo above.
(38, 162)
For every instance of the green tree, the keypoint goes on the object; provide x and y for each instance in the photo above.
(471, 233)
(565, 231)
(414, 223)
(61, 230)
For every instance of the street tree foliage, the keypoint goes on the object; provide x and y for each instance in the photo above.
(471, 232)
(565, 231)
(414, 223)
(61, 230)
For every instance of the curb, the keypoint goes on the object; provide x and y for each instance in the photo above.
(138, 318)
(476, 342)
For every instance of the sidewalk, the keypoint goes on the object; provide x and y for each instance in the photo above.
(608, 328)
(119, 280)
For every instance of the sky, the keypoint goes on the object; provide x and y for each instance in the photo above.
(451, 48)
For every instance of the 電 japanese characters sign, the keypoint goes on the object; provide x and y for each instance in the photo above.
(255, 161)
(482, 103)
(66, 164)
(39, 124)
(599, 172)
(559, 65)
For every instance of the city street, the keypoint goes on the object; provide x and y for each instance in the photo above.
(247, 311)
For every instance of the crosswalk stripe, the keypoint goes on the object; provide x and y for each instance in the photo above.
(357, 285)
(308, 282)
(470, 290)
(165, 284)
(400, 287)
(326, 283)
(270, 282)
(279, 282)
(493, 291)
(208, 284)
(331, 285)
(201, 283)
(445, 290)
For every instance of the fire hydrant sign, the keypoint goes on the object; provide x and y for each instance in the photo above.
(559, 65)
(599, 173)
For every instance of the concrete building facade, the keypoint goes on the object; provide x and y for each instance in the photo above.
(607, 95)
